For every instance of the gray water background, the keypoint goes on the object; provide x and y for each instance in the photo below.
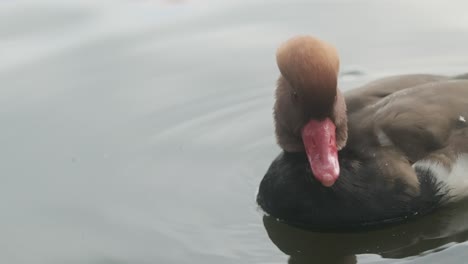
(138, 131)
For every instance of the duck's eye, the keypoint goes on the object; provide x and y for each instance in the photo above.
(294, 95)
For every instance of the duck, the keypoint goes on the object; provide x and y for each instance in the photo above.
(382, 153)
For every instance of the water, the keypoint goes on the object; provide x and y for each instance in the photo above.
(138, 131)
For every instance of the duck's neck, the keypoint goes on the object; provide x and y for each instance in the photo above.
(340, 119)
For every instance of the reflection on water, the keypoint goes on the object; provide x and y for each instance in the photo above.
(419, 237)
(138, 131)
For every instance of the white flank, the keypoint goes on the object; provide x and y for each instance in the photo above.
(455, 179)
(462, 119)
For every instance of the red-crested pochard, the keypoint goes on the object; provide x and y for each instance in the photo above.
(381, 153)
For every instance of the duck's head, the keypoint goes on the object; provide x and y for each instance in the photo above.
(310, 112)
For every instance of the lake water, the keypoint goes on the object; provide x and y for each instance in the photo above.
(138, 131)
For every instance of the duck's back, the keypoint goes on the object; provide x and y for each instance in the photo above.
(374, 91)
(413, 121)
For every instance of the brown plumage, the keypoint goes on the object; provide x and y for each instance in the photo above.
(310, 66)
(307, 88)
(403, 141)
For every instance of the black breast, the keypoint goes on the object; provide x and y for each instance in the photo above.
(360, 198)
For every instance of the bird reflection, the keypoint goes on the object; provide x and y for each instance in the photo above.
(428, 233)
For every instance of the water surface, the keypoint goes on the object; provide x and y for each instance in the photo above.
(138, 131)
